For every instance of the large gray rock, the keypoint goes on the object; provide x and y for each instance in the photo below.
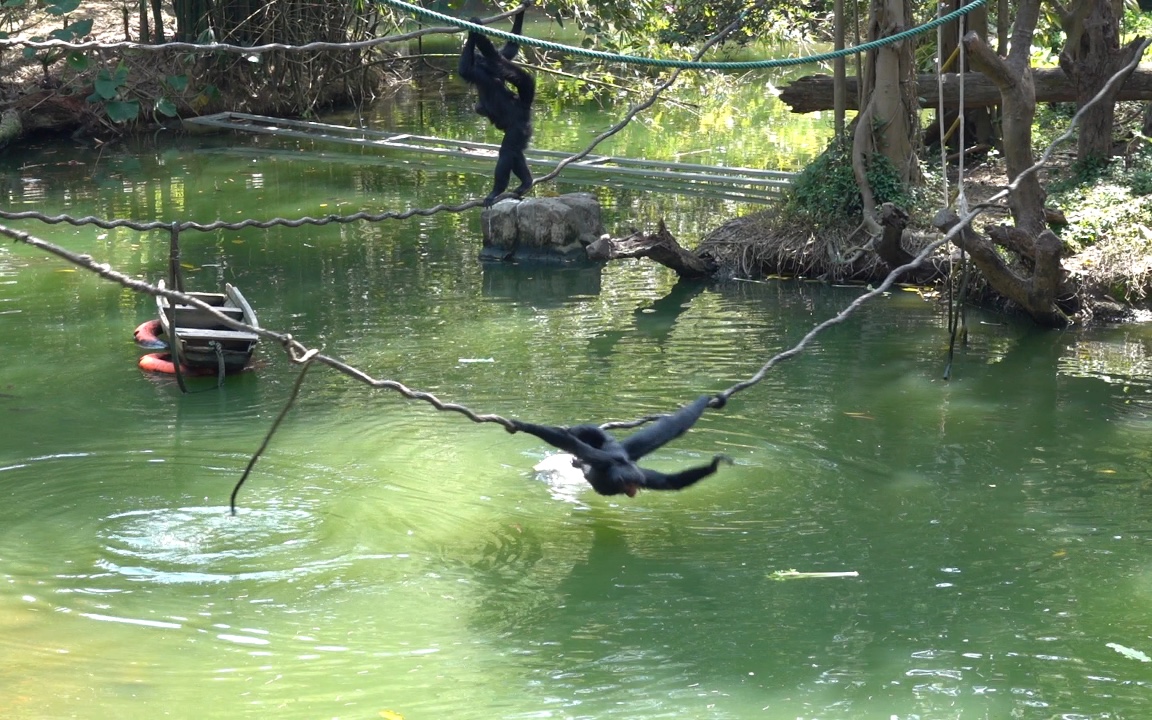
(547, 228)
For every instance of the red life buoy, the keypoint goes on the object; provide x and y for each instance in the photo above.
(147, 335)
(162, 363)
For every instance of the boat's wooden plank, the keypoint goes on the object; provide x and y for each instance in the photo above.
(185, 317)
(248, 315)
(207, 334)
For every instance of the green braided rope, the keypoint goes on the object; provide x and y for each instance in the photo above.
(686, 64)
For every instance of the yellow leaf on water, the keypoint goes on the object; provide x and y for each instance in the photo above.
(389, 715)
(187, 266)
(65, 269)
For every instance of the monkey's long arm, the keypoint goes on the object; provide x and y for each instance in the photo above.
(563, 439)
(665, 429)
(467, 67)
(654, 480)
(512, 47)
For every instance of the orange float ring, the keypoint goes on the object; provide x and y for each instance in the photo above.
(162, 363)
(147, 336)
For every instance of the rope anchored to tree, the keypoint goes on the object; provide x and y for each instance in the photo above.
(694, 64)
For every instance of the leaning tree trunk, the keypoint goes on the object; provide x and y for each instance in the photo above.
(1036, 279)
(1092, 55)
(1013, 76)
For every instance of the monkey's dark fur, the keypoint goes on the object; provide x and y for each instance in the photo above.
(491, 71)
(610, 464)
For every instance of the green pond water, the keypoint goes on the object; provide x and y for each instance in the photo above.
(392, 561)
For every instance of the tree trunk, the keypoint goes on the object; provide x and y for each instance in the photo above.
(1018, 108)
(1092, 55)
(887, 124)
(890, 86)
(814, 92)
(1037, 294)
(660, 246)
(1036, 281)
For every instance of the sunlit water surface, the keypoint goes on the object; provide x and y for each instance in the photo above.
(391, 561)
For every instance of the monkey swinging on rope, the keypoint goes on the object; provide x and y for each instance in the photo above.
(491, 71)
(609, 465)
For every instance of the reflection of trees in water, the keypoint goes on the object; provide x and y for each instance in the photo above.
(654, 321)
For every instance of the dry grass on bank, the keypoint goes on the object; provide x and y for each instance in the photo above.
(1107, 237)
(276, 83)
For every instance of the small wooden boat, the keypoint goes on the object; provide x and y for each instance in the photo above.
(200, 340)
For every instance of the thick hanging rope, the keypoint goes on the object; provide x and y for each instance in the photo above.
(731, 66)
(957, 318)
(684, 64)
(306, 361)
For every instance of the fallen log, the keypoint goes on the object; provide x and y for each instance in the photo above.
(814, 92)
(660, 246)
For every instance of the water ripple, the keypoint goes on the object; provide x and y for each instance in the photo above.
(206, 544)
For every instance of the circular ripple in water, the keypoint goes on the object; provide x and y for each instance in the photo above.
(207, 544)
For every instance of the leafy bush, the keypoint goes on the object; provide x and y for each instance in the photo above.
(825, 193)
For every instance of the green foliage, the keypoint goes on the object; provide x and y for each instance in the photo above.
(62, 7)
(1132, 174)
(825, 193)
(109, 89)
(122, 110)
(78, 61)
(166, 107)
(177, 82)
(107, 85)
(1106, 202)
(71, 31)
(691, 21)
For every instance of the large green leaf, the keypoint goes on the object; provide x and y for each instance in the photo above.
(177, 82)
(78, 61)
(122, 110)
(105, 86)
(164, 106)
(30, 52)
(62, 7)
(80, 28)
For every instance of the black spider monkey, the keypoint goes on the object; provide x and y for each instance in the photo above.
(508, 111)
(610, 465)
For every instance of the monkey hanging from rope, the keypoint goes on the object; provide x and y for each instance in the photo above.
(491, 72)
(610, 464)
